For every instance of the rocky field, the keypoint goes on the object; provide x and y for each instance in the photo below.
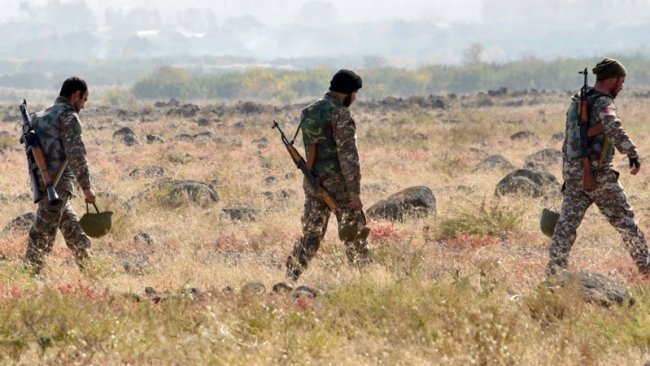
(207, 205)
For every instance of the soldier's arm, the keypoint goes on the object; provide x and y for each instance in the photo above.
(74, 147)
(346, 148)
(613, 127)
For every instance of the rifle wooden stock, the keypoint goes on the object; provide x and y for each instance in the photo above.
(588, 183)
(305, 169)
(302, 165)
(39, 159)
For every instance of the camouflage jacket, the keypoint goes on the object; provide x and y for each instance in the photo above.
(59, 132)
(330, 125)
(601, 111)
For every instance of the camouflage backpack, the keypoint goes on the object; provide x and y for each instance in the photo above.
(45, 123)
(573, 140)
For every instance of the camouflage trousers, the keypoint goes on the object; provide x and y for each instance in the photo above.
(610, 199)
(43, 233)
(315, 218)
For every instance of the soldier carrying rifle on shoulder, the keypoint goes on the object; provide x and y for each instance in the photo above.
(593, 130)
(54, 143)
(332, 172)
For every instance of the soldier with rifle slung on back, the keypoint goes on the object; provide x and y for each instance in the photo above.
(593, 131)
(58, 134)
(332, 175)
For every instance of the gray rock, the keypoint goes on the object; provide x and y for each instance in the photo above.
(253, 288)
(527, 182)
(127, 136)
(304, 291)
(282, 288)
(597, 288)
(545, 157)
(21, 223)
(245, 213)
(200, 193)
(184, 137)
(143, 237)
(494, 162)
(524, 136)
(155, 138)
(485, 102)
(150, 171)
(171, 103)
(412, 201)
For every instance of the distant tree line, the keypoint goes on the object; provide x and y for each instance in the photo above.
(286, 86)
(208, 78)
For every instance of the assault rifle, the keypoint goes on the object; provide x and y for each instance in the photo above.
(588, 183)
(302, 165)
(36, 162)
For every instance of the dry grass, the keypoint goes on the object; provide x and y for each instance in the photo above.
(462, 288)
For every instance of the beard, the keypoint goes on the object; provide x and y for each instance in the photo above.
(347, 101)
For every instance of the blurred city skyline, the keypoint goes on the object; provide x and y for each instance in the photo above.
(413, 33)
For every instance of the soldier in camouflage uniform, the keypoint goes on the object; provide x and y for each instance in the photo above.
(329, 136)
(59, 132)
(608, 194)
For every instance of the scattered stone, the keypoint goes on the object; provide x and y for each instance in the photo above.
(414, 201)
(545, 157)
(171, 103)
(155, 138)
(253, 288)
(150, 171)
(524, 136)
(502, 91)
(282, 288)
(127, 136)
(270, 180)
(199, 193)
(596, 288)
(202, 122)
(485, 102)
(21, 223)
(528, 182)
(245, 214)
(156, 297)
(184, 137)
(304, 291)
(143, 237)
(494, 162)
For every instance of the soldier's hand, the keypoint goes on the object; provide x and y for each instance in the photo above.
(355, 201)
(635, 164)
(90, 195)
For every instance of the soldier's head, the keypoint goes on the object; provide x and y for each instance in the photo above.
(75, 90)
(610, 76)
(344, 85)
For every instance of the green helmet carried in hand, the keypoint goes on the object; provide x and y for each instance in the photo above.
(548, 221)
(97, 224)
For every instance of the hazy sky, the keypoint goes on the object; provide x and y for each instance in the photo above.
(281, 12)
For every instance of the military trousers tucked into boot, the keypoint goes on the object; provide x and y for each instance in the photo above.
(610, 199)
(43, 233)
(315, 218)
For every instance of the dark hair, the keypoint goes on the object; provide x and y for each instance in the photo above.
(72, 85)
